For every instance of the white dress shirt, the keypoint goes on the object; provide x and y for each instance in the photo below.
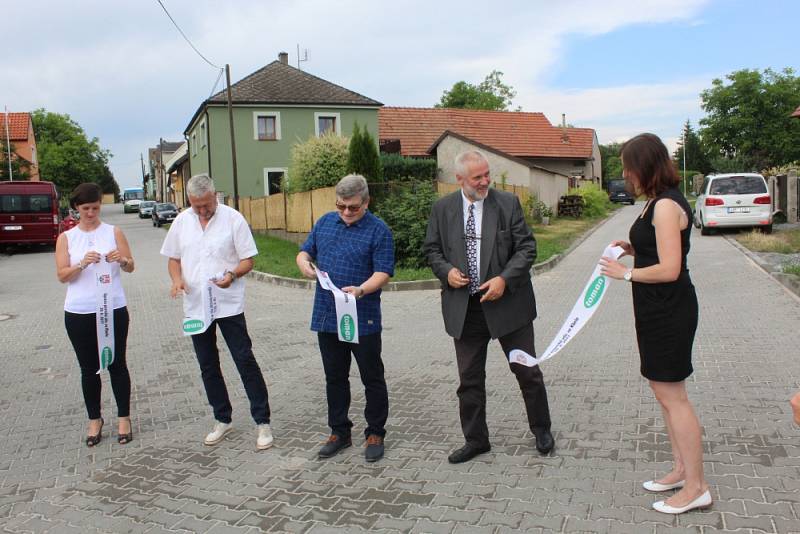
(225, 241)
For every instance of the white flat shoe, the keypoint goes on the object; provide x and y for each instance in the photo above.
(703, 501)
(218, 433)
(265, 439)
(652, 485)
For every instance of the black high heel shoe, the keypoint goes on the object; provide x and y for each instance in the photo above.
(124, 439)
(91, 441)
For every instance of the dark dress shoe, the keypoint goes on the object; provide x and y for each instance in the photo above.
(466, 453)
(544, 441)
(374, 448)
(333, 446)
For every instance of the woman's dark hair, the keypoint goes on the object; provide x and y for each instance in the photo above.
(647, 156)
(84, 194)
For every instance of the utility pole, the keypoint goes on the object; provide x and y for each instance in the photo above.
(8, 144)
(144, 181)
(233, 141)
(684, 156)
(160, 172)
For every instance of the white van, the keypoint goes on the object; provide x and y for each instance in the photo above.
(733, 200)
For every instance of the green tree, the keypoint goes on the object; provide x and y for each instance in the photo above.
(612, 164)
(491, 94)
(20, 167)
(363, 156)
(406, 212)
(748, 121)
(318, 162)
(696, 158)
(67, 156)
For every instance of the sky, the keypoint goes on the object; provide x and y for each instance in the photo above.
(125, 74)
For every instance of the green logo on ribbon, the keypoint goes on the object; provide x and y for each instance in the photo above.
(594, 292)
(192, 325)
(105, 358)
(347, 328)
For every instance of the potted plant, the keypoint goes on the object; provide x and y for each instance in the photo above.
(544, 212)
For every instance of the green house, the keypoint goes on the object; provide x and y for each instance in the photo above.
(273, 108)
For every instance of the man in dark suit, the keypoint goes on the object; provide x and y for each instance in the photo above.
(479, 245)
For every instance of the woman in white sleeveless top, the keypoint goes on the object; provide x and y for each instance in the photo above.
(78, 253)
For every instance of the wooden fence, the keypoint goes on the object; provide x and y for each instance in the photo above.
(297, 212)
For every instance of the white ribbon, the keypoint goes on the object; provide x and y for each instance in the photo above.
(104, 314)
(210, 295)
(587, 303)
(346, 309)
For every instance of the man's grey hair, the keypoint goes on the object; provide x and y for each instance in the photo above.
(353, 185)
(200, 184)
(464, 158)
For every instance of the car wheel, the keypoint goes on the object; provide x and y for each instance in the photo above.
(767, 229)
(633, 202)
(704, 230)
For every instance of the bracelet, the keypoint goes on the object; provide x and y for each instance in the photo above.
(362, 292)
(81, 266)
(233, 275)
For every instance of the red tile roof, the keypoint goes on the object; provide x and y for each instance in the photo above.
(17, 126)
(516, 133)
(796, 112)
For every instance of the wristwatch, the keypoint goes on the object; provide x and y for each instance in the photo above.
(628, 276)
(233, 275)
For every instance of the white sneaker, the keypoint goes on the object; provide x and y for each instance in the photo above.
(265, 439)
(218, 433)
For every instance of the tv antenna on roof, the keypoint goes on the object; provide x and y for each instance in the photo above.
(301, 59)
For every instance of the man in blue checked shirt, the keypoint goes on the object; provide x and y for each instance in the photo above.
(356, 249)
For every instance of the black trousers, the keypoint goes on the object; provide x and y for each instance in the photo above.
(82, 332)
(471, 359)
(336, 362)
(234, 330)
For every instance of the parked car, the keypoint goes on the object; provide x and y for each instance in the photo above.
(70, 221)
(146, 208)
(29, 213)
(618, 193)
(733, 200)
(163, 213)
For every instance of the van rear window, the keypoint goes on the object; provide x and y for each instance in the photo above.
(738, 185)
(25, 204)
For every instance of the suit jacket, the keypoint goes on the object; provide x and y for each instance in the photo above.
(508, 249)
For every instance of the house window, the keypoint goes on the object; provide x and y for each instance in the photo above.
(273, 177)
(194, 144)
(266, 126)
(327, 122)
(203, 137)
(34, 159)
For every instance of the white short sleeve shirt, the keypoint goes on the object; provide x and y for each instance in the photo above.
(225, 241)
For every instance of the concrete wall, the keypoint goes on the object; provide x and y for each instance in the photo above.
(297, 124)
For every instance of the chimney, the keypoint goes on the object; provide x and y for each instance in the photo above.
(283, 57)
(564, 136)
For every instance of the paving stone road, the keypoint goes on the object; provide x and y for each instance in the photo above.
(608, 430)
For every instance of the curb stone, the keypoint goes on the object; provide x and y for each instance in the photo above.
(417, 285)
(789, 281)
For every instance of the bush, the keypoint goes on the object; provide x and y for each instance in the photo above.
(595, 200)
(362, 155)
(399, 168)
(536, 209)
(318, 162)
(406, 211)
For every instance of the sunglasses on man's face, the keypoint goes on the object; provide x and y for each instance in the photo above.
(352, 208)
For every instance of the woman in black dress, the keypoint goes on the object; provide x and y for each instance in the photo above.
(665, 309)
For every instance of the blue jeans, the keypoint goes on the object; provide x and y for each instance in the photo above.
(336, 361)
(234, 330)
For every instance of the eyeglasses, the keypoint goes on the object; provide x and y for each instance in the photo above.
(352, 208)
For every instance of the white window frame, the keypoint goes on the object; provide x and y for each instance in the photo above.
(268, 170)
(194, 143)
(276, 115)
(203, 134)
(325, 114)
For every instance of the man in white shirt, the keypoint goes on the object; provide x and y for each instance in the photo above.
(210, 247)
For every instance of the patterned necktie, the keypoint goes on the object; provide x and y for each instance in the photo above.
(472, 252)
